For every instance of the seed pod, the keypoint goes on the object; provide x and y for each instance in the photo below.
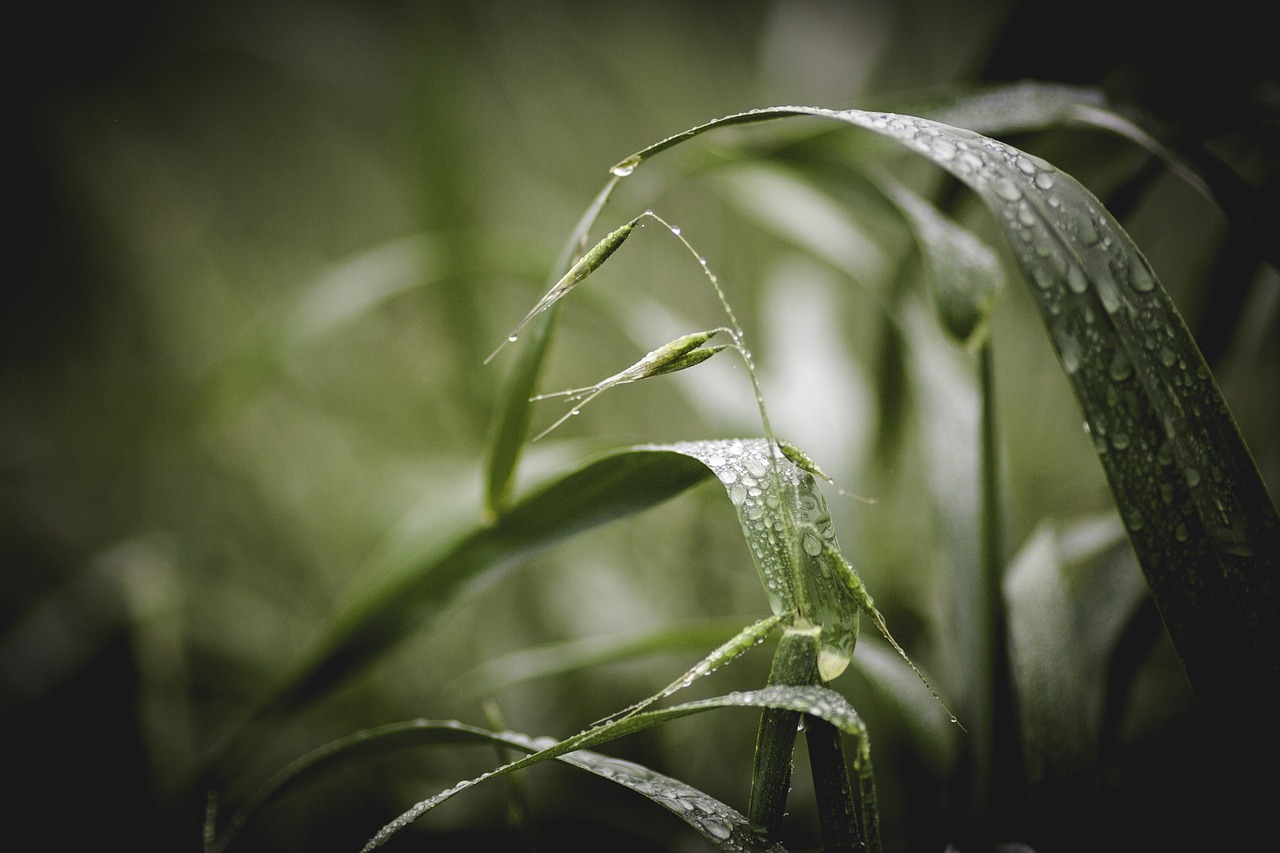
(585, 265)
(685, 351)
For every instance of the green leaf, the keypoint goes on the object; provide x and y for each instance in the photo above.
(511, 425)
(1068, 611)
(607, 488)
(718, 823)
(1199, 517)
(964, 273)
(816, 701)
(792, 544)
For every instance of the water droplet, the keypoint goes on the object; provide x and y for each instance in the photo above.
(1121, 368)
(1076, 279)
(1140, 277)
(1068, 350)
(1108, 293)
(1088, 231)
(1119, 441)
(675, 229)
(513, 338)
(1006, 189)
(1193, 477)
(626, 167)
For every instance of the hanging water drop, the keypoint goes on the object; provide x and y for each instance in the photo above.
(626, 167)
(1140, 277)
(1076, 279)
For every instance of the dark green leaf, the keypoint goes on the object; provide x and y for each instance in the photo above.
(816, 701)
(1204, 528)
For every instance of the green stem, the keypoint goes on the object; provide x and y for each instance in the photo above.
(849, 821)
(795, 663)
(1000, 789)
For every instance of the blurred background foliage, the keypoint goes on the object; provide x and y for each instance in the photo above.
(262, 249)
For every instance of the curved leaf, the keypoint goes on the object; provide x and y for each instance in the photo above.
(815, 701)
(609, 487)
(717, 822)
(780, 536)
(1204, 528)
(965, 275)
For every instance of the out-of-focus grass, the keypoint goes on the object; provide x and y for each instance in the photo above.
(262, 251)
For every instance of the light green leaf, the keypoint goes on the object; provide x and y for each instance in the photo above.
(1067, 614)
(792, 545)
(604, 489)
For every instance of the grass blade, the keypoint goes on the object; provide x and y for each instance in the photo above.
(511, 425)
(607, 488)
(816, 701)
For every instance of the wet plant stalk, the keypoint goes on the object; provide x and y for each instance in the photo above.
(844, 828)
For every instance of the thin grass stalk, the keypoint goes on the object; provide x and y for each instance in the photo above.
(1000, 795)
(795, 663)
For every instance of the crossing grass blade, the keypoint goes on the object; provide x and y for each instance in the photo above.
(722, 826)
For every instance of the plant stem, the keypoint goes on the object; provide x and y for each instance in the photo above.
(999, 795)
(795, 663)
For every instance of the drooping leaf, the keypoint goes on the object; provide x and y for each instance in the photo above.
(1200, 519)
(815, 701)
(719, 823)
(965, 275)
(792, 545)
